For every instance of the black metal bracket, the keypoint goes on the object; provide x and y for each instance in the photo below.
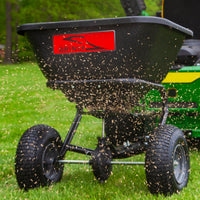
(66, 145)
(165, 110)
(164, 98)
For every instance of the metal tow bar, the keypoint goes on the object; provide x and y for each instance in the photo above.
(112, 162)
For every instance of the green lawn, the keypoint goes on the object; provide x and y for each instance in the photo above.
(26, 101)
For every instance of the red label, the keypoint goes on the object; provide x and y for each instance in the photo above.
(84, 42)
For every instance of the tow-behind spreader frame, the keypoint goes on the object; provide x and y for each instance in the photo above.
(101, 114)
(107, 66)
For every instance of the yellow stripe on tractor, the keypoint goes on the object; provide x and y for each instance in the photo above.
(181, 77)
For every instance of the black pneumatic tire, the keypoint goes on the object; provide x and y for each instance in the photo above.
(35, 162)
(101, 160)
(101, 165)
(167, 161)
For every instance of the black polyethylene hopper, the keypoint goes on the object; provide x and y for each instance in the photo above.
(118, 50)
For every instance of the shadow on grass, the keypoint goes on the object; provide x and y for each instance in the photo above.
(125, 180)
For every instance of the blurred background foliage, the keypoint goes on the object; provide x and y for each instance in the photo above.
(26, 11)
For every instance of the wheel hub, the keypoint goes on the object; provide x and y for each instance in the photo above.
(49, 164)
(179, 163)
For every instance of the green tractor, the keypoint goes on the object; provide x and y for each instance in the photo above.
(183, 87)
(183, 80)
